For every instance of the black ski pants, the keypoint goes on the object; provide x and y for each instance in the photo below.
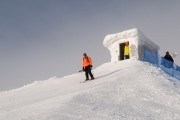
(87, 70)
(126, 56)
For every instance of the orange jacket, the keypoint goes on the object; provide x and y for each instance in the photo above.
(86, 61)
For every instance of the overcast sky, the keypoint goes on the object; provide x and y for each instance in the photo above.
(40, 39)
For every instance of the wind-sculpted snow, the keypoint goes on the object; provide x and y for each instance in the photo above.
(126, 90)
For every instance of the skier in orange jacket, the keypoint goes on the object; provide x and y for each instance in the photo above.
(87, 65)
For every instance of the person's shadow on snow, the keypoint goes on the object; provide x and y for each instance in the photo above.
(108, 74)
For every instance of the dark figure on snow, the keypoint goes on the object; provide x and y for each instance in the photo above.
(170, 61)
(168, 57)
(87, 65)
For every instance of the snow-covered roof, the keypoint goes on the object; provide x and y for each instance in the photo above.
(111, 38)
(123, 36)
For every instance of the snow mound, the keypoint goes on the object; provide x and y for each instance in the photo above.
(129, 89)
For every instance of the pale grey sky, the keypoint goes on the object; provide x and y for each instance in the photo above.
(40, 39)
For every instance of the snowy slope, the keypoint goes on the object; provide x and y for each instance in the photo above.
(126, 90)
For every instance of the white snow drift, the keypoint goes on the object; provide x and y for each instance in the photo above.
(126, 90)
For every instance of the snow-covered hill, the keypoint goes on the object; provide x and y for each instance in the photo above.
(126, 90)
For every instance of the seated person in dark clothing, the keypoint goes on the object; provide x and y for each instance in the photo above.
(170, 61)
(168, 57)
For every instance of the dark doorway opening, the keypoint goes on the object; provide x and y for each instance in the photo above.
(121, 50)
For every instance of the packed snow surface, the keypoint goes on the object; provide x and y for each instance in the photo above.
(126, 90)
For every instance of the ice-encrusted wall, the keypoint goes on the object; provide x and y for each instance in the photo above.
(137, 43)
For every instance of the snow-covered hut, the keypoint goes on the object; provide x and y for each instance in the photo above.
(138, 42)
